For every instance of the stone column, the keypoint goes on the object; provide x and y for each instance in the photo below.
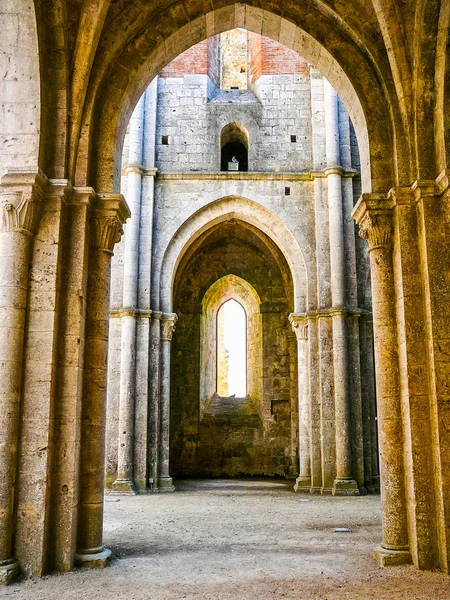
(110, 212)
(19, 214)
(124, 481)
(165, 483)
(300, 328)
(153, 415)
(374, 215)
(344, 482)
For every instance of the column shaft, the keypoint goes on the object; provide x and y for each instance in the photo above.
(165, 483)
(125, 475)
(19, 213)
(344, 482)
(106, 227)
(14, 259)
(376, 226)
(300, 327)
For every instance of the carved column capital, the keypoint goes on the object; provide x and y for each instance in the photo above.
(299, 324)
(21, 194)
(373, 213)
(110, 212)
(168, 324)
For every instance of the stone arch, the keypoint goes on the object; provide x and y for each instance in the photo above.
(365, 87)
(234, 133)
(20, 92)
(230, 287)
(174, 247)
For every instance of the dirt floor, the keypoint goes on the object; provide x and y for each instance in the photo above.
(240, 540)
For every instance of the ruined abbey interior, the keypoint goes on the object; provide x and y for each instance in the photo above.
(224, 262)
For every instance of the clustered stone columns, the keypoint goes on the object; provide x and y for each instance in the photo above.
(344, 481)
(374, 215)
(109, 213)
(168, 322)
(300, 327)
(20, 197)
(124, 481)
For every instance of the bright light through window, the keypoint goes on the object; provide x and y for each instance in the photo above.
(232, 350)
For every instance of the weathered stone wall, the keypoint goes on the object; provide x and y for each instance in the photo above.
(276, 108)
(197, 441)
(303, 162)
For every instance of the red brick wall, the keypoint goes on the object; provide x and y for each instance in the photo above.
(271, 58)
(193, 61)
(255, 56)
(266, 58)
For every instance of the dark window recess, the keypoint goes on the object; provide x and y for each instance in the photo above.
(234, 87)
(287, 191)
(242, 69)
(293, 139)
(239, 151)
(165, 140)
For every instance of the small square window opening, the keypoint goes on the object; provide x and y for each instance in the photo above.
(287, 191)
(165, 140)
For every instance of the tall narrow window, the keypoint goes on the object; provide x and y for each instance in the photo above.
(232, 350)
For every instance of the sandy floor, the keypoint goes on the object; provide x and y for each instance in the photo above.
(240, 540)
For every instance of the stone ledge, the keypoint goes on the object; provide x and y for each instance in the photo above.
(252, 175)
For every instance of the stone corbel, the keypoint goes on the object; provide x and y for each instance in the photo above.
(299, 324)
(168, 325)
(373, 213)
(21, 194)
(110, 211)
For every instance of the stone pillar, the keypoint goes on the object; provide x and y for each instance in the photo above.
(153, 415)
(300, 327)
(344, 482)
(165, 483)
(110, 212)
(20, 195)
(124, 481)
(374, 215)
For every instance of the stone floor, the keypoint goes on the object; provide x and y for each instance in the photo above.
(241, 540)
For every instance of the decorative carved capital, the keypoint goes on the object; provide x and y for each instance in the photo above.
(21, 193)
(373, 213)
(168, 324)
(109, 214)
(377, 230)
(299, 324)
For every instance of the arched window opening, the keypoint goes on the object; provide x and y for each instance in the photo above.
(232, 350)
(234, 148)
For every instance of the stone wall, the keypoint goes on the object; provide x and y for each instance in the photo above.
(303, 165)
(248, 438)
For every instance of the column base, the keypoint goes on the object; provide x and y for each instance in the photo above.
(302, 484)
(389, 558)
(93, 558)
(165, 484)
(345, 487)
(8, 572)
(123, 486)
(315, 490)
